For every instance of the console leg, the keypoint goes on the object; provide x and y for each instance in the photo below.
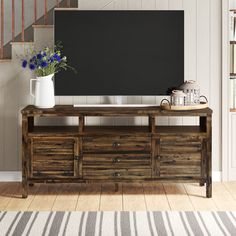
(209, 188)
(24, 188)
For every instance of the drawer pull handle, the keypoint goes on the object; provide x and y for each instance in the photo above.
(115, 144)
(116, 160)
(77, 158)
(116, 174)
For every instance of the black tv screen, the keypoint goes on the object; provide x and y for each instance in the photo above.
(120, 52)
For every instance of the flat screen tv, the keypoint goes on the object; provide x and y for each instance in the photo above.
(120, 52)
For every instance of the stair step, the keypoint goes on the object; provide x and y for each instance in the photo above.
(19, 43)
(42, 26)
(5, 60)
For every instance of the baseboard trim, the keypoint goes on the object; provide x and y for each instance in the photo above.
(10, 176)
(15, 176)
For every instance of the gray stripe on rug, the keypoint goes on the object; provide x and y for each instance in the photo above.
(227, 222)
(47, 222)
(91, 223)
(203, 223)
(184, 223)
(4, 213)
(12, 223)
(125, 223)
(66, 224)
(56, 224)
(81, 224)
(169, 224)
(193, 223)
(115, 224)
(22, 223)
(100, 224)
(232, 215)
(218, 223)
(32, 223)
(149, 223)
(135, 223)
(159, 223)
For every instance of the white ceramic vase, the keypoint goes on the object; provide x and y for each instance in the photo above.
(44, 91)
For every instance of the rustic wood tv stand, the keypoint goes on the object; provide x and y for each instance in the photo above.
(83, 153)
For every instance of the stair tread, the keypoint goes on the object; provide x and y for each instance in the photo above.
(42, 26)
(25, 42)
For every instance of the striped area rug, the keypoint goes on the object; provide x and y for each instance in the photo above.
(118, 223)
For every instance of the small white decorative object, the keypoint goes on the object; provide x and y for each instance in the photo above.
(192, 90)
(44, 91)
(178, 98)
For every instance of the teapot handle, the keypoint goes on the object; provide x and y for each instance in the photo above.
(202, 96)
(166, 101)
(31, 89)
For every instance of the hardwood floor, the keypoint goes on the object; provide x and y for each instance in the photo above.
(129, 197)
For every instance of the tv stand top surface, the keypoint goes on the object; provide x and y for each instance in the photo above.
(92, 110)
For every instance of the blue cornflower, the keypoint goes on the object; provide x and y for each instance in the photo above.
(39, 56)
(33, 59)
(57, 57)
(32, 66)
(44, 54)
(24, 63)
(44, 64)
(51, 59)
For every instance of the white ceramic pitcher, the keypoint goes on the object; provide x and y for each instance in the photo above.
(44, 91)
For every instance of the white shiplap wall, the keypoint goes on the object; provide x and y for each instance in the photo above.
(202, 63)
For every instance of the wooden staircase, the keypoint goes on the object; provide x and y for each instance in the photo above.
(27, 33)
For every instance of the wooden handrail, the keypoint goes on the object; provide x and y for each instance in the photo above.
(13, 20)
(35, 11)
(2, 28)
(23, 21)
(45, 12)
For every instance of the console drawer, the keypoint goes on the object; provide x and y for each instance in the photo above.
(53, 157)
(117, 160)
(180, 144)
(116, 174)
(187, 164)
(116, 144)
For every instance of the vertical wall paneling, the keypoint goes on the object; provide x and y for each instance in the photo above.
(162, 4)
(2, 137)
(148, 4)
(134, 4)
(215, 78)
(190, 69)
(175, 5)
(203, 46)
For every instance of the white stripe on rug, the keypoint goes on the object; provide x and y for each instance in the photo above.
(173, 223)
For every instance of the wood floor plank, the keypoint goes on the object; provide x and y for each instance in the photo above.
(18, 203)
(111, 200)
(231, 187)
(67, 197)
(45, 197)
(198, 198)
(130, 197)
(133, 197)
(177, 197)
(89, 198)
(7, 192)
(155, 197)
(222, 198)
